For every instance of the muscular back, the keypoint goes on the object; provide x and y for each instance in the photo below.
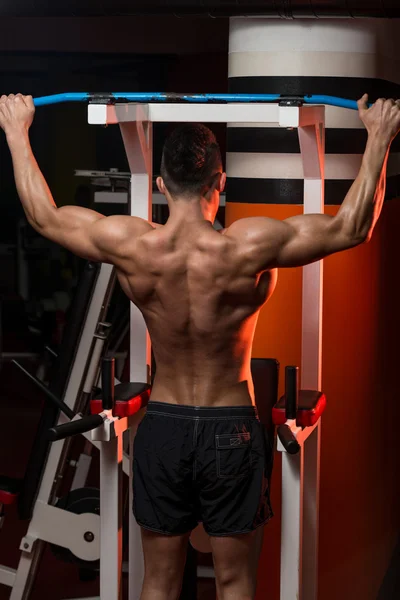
(200, 292)
(200, 300)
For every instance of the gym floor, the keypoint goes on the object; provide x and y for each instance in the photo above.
(57, 580)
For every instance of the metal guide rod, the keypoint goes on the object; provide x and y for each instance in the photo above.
(61, 405)
(147, 97)
(291, 392)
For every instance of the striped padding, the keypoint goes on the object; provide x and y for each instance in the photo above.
(260, 139)
(289, 166)
(277, 63)
(338, 57)
(345, 87)
(290, 191)
(276, 179)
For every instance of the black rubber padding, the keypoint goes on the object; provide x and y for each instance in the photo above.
(288, 440)
(291, 191)
(127, 391)
(60, 432)
(308, 400)
(107, 382)
(291, 391)
(346, 87)
(283, 141)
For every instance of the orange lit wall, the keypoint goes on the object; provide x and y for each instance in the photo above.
(360, 461)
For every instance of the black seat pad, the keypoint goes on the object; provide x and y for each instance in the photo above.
(127, 391)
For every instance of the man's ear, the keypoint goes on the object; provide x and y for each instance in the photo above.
(222, 182)
(161, 185)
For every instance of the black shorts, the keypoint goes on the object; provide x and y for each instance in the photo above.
(199, 464)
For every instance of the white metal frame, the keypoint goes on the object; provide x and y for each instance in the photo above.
(49, 523)
(57, 526)
(110, 436)
(300, 472)
(300, 479)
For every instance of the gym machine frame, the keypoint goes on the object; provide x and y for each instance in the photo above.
(80, 380)
(300, 472)
(112, 415)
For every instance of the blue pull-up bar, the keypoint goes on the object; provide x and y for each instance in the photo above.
(146, 97)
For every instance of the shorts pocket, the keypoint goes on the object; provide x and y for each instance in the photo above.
(233, 455)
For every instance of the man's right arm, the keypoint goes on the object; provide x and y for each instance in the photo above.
(304, 239)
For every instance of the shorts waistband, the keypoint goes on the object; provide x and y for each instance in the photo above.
(185, 411)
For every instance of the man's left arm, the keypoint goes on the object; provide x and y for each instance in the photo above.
(84, 232)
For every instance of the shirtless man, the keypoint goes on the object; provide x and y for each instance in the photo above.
(200, 452)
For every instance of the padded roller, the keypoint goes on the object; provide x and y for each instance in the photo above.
(129, 399)
(288, 440)
(310, 408)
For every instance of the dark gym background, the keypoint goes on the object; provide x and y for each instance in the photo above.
(46, 56)
(43, 56)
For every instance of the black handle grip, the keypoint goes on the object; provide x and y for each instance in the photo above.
(107, 383)
(291, 392)
(60, 432)
(61, 405)
(288, 440)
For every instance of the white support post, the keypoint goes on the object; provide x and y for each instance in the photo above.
(311, 477)
(312, 145)
(111, 519)
(138, 141)
(291, 527)
(300, 473)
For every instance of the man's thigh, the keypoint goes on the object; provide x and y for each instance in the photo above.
(236, 561)
(164, 555)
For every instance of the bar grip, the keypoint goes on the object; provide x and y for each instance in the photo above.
(60, 432)
(113, 97)
(107, 383)
(291, 392)
(288, 440)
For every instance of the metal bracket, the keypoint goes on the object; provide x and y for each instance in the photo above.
(63, 528)
(291, 101)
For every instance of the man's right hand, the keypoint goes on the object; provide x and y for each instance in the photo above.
(16, 113)
(382, 118)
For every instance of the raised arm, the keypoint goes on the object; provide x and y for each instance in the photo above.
(84, 232)
(304, 239)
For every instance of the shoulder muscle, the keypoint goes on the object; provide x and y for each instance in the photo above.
(260, 239)
(113, 235)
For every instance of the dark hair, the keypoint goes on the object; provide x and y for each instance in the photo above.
(191, 156)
